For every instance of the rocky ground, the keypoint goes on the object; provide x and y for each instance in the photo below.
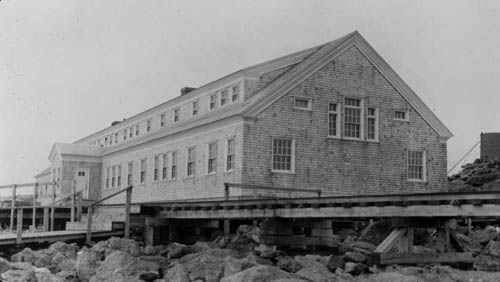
(481, 175)
(236, 258)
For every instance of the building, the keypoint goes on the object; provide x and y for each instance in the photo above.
(490, 146)
(334, 117)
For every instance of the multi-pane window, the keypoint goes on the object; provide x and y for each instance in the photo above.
(130, 172)
(148, 125)
(105, 141)
(195, 108)
(113, 176)
(212, 158)
(401, 115)
(143, 171)
(164, 167)
(352, 118)
(137, 130)
(302, 103)
(230, 155)
(236, 93)
(131, 132)
(173, 168)
(116, 137)
(119, 176)
(125, 134)
(371, 124)
(213, 101)
(176, 115)
(223, 97)
(416, 165)
(107, 177)
(190, 162)
(333, 120)
(111, 139)
(162, 120)
(156, 168)
(282, 154)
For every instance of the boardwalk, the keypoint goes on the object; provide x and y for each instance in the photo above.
(53, 236)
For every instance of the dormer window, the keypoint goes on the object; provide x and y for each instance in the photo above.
(176, 115)
(195, 108)
(148, 125)
(223, 97)
(213, 101)
(162, 120)
(236, 93)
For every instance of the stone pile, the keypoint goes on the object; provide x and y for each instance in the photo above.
(481, 175)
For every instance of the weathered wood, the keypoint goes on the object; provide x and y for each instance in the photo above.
(45, 219)
(53, 208)
(19, 230)
(88, 238)
(440, 240)
(446, 232)
(12, 208)
(270, 188)
(73, 201)
(226, 192)
(391, 240)
(227, 225)
(410, 239)
(455, 242)
(35, 196)
(79, 208)
(298, 241)
(414, 258)
(128, 200)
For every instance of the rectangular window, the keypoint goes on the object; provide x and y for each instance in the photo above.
(164, 167)
(372, 124)
(113, 176)
(223, 97)
(125, 134)
(230, 155)
(302, 104)
(283, 154)
(236, 93)
(191, 156)
(148, 125)
(173, 168)
(416, 165)
(119, 176)
(352, 118)
(107, 177)
(137, 130)
(130, 172)
(131, 132)
(212, 158)
(162, 120)
(176, 115)
(143, 171)
(195, 108)
(116, 137)
(111, 139)
(333, 120)
(401, 115)
(105, 141)
(213, 101)
(156, 168)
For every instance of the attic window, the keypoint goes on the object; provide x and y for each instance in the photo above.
(302, 104)
(401, 115)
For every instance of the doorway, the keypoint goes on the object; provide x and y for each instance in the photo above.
(82, 181)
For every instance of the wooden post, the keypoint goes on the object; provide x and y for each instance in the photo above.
(35, 194)
(469, 225)
(12, 208)
(73, 191)
(19, 238)
(53, 208)
(88, 239)
(410, 236)
(79, 208)
(226, 192)
(227, 227)
(128, 199)
(45, 219)
(446, 240)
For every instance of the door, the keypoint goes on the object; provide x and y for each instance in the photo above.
(82, 181)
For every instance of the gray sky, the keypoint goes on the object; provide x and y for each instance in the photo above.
(68, 68)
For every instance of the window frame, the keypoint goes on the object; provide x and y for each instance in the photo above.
(143, 170)
(113, 176)
(156, 168)
(406, 115)
(190, 171)
(108, 174)
(292, 156)
(213, 102)
(337, 121)
(424, 166)
(361, 119)
(177, 113)
(235, 93)
(164, 170)
(137, 130)
(119, 176)
(195, 108)
(376, 125)
(224, 96)
(173, 165)
(163, 119)
(308, 100)
(148, 125)
(212, 159)
(130, 171)
(228, 153)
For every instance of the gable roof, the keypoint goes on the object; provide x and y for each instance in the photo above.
(75, 150)
(323, 56)
(43, 172)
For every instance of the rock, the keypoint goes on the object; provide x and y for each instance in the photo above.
(317, 275)
(233, 265)
(355, 257)
(335, 262)
(268, 254)
(5, 265)
(493, 248)
(176, 250)
(242, 229)
(69, 250)
(255, 259)
(41, 258)
(122, 265)
(487, 263)
(243, 243)
(484, 236)
(44, 275)
(177, 274)
(19, 275)
(125, 245)
(200, 247)
(62, 262)
(289, 264)
(312, 261)
(364, 246)
(376, 232)
(68, 276)
(149, 250)
(263, 273)
(354, 268)
(423, 250)
(86, 263)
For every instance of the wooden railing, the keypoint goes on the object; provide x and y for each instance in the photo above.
(128, 199)
(255, 188)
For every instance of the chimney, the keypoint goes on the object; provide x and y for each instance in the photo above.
(186, 90)
(113, 123)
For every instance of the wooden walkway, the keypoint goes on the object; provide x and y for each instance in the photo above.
(53, 236)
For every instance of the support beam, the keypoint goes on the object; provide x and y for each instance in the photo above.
(79, 208)
(391, 240)
(425, 258)
(35, 196)
(45, 219)
(19, 231)
(128, 199)
(12, 208)
(227, 225)
(73, 201)
(88, 238)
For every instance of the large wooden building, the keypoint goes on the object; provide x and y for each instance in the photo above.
(335, 117)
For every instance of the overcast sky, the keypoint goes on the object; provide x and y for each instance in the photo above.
(69, 68)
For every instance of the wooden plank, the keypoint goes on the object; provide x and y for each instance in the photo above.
(79, 208)
(455, 242)
(35, 196)
(270, 188)
(391, 240)
(410, 240)
(19, 230)
(45, 219)
(73, 201)
(128, 200)
(12, 208)
(425, 258)
(88, 237)
(299, 241)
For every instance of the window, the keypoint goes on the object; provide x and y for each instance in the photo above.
(113, 176)
(143, 171)
(156, 168)
(105, 140)
(119, 176)
(116, 137)
(164, 168)
(372, 124)
(212, 158)
(130, 172)
(302, 104)
(236, 93)
(333, 120)
(195, 108)
(173, 168)
(176, 115)
(148, 125)
(416, 165)
(131, 132)
(190, 162)
(401, 115)
(352, 118)
(110, 139)
(162, 120)
(125, 134)
(223, 97)
(230, 155)
(107, 177)
(283, 155)
(137, 130)
(213, 101)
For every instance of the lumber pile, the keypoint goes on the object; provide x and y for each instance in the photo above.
(481, 175)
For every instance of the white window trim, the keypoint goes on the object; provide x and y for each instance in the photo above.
(309, 103)
(159, 169)
(208, 158)
(338, 112)
(376, 139)
(187, 163)
(178, 116)
(424, 166)
(210, 102)
(170, 156)
(362, 120)
(145, 171)
(292, 165)
(407, 115)
(226, 147)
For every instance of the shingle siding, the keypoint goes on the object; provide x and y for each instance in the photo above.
(343, 166)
